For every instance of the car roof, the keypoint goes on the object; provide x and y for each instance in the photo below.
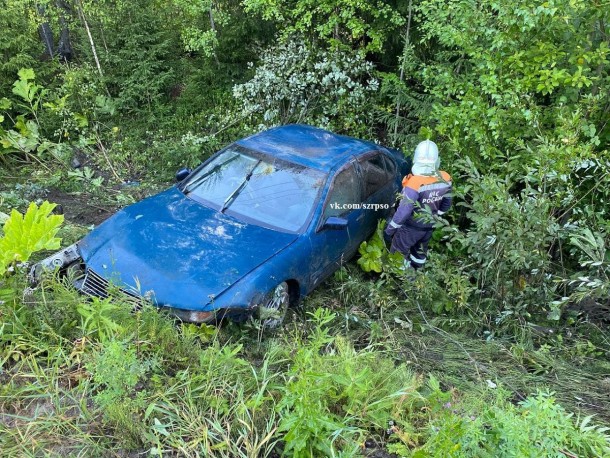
(306, 145)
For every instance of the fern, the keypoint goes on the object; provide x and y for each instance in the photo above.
(29, 233)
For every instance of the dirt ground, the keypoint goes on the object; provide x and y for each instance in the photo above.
(79, 208)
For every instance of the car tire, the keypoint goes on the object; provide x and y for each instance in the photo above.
(273, 308)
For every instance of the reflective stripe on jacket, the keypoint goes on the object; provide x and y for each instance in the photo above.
(422, 196)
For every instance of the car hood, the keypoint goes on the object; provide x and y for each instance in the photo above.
(185, 253)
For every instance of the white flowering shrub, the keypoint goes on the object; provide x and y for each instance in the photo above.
(295, 83)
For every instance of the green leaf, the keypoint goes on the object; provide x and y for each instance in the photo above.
(81, 120)
(22, 89)
(25, 89)
(26, 234)
(554, 314)
(26, 74)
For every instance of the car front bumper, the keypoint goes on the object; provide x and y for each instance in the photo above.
(90, 283)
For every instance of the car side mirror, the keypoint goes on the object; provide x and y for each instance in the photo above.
(335, 223)
(182, 174)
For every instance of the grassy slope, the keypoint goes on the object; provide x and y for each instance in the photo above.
(91, 379)
(347, 372)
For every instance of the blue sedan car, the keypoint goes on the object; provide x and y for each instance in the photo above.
(256, 227)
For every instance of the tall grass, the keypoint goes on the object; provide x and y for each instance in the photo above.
(92, 379)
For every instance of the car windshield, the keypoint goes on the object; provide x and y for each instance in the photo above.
(257, 188)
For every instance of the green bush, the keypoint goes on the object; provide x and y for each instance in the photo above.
(536, 427)
(297, 83)
(334, 398)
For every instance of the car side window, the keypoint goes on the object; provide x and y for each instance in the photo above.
(344, 192)
(390, 167)
(374, 174)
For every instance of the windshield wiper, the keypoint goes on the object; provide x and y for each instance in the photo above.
(198, 180)
(229, 200)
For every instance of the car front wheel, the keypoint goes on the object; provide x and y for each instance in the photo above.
(273, 307)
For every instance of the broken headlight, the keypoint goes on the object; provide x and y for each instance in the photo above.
(59, 260)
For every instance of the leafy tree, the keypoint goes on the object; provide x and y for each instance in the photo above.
(196, 13)
(18, 41)
(296, 83)
(504, 71)
(138, 67)
(352, 24)
(516, 94)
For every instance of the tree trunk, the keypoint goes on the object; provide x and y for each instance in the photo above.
(213, 26)
(46, 33)
(64, 46)
(91, 42)
(402, 67)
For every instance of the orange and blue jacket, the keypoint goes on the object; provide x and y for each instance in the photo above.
(423, 196)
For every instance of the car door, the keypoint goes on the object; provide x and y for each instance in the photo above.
(377, 174)
(331, 247)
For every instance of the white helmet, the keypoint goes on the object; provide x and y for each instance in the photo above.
(425, 159)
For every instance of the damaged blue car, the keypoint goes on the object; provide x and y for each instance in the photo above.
(256, 227)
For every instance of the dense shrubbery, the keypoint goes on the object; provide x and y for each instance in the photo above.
(76, 369)
(297, 83)
(515, 95)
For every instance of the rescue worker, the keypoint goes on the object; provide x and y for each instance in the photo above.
(426, 193)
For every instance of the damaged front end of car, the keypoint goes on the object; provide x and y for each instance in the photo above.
(68, 263)
(59, 261)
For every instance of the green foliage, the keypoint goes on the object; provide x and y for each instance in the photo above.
(297, 83)
(374, 255)
(77, 108)
(538, 427)
(515, 94)
(26, 89)
(307, 393)
(332, 398)
(446, 288)
(500, 72)
(202, 12)
(370, 256)
(510, 77)
(116, 371)
(98, 318)
(18, 43)
(24, 137)
(509, 242)
(401, 106)
(29, 233)
(42, 121)
(341, 24)
(593, 281)
(139, 68)
(20, 196)
(86, 177)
